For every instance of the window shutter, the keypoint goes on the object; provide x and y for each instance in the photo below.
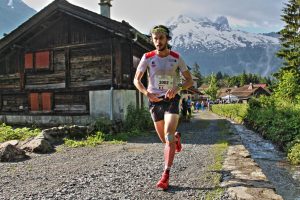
(46, 99)
(42, 60)
(28, 61)
(34, 101)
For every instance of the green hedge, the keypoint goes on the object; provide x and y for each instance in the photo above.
(236, 112)
(276, 121)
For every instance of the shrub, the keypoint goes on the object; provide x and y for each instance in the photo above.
(137, 119)
(8, 133)
(103, 125)
(294, 154)
(236, 112)
(92, 140)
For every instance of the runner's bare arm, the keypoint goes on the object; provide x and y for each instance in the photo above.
(139, 85)
(187, 84)
(188, 80)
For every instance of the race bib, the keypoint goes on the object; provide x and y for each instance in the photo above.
(163, 82)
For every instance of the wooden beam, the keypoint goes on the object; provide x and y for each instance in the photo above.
(68, 68)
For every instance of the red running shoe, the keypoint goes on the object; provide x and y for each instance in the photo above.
(178, 143)
(163, 182)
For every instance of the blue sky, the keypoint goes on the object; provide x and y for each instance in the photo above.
(250, 15)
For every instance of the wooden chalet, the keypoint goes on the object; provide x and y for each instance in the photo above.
(245, 92)
(67, 65)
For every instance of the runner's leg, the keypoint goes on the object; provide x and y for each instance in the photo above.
(159, 127)
(171, 121)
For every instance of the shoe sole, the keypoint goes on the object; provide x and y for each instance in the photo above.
(162, 186)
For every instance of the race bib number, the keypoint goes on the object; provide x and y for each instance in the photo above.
(163, 82)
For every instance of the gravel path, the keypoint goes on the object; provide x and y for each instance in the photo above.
(123, 171)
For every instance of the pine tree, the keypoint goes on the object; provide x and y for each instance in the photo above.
(243, 79)
(290, 52)
(196, 72)
(290, 39)
(219, 75)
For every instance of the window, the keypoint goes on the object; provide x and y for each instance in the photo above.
(37, 60)
(34, 101)
(41, 101)
(28, 60)
(46, 101)
(42, 60)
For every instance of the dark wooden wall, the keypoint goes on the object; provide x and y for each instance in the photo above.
(82, 57)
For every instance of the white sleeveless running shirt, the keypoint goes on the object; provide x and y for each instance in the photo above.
(163, 72)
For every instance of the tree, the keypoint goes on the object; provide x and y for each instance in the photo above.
(212, 90)
(234, 81)
(288, 88)
(290, 39)
(289, 75)
(196, 72)
(243, 79)
(219, 76)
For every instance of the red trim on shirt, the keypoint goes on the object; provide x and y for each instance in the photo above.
(174, 54)
(150, 54)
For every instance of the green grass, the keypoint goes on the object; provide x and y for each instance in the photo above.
(224, 127)
(100, 138)
(214, 171)
(8, 133)
(218, 151)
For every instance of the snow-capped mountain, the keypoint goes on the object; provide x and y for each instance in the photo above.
(12, 14)
(215, 46)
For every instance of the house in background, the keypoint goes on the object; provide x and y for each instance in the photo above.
(67, 65)
(193, 91)
(244, 93)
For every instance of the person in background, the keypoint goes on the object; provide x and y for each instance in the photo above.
(184, 109)
(197, 106)
(202, 105)
(189, 106)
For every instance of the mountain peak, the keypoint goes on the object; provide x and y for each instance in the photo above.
(183, 19)
(215, 36)
(12, 14)
(222, 24)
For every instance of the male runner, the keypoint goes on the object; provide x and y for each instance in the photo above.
(163, 86)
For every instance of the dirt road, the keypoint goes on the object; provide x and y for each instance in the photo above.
(122, 171)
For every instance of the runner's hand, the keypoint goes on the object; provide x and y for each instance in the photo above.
(153, 97)
(172, 92)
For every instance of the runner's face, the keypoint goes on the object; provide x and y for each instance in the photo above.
(160, 41)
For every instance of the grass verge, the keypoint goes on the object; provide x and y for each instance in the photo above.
(100, 138)
(214, 175)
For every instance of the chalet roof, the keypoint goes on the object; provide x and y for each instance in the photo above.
(194, 90)
(242, 92)
(122, 29)
(203, 87)
(194, 77)
(263, 85)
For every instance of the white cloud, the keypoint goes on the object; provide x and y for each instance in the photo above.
(144, 14)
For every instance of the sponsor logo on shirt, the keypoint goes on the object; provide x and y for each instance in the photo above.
(172, 60)
(153, 64)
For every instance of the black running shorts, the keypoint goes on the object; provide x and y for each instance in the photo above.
(158, 109)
